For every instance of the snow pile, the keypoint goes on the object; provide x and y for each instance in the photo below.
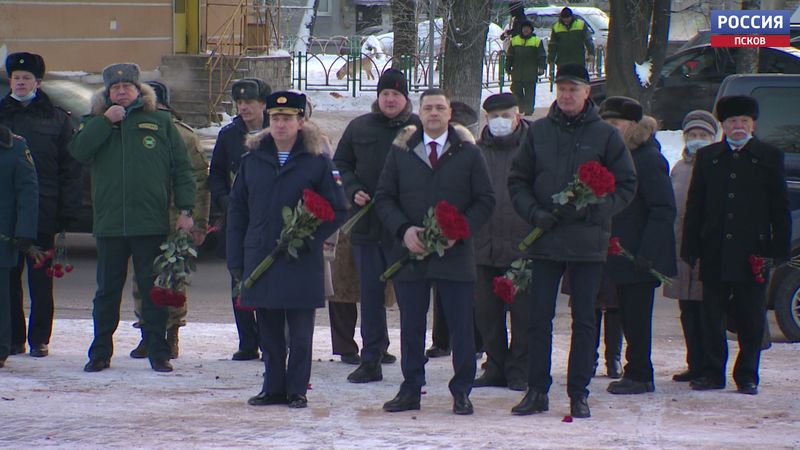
(644, 72)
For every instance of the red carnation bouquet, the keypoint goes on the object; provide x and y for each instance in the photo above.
(590, 185)
(516, 279)
(298, 223)
(58, 254)
(616, 249)
(34, 252)
(759, 266)
(172, 268)
(441, 224)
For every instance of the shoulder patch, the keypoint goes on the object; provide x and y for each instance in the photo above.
(148, 126)
(28, 156)
(337, 177)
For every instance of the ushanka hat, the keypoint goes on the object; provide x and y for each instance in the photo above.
(286, 102)
(162, 92)
(620, 107)
(121, 73)
(29, 62)
(250, 89)
(737, 105)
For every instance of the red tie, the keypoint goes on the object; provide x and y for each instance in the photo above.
(433, 156)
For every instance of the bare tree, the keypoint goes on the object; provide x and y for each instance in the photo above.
(747, 58)
(637, 35)
(404, 23)
(467, 23)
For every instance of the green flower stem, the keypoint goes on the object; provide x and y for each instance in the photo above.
(530, 238)
(394, 268)
(263, 266)
(658, 275)
(348, 226)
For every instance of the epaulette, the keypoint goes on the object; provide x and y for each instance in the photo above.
(178, 123)
(228, 126)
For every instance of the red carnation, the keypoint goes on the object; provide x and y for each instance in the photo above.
(757, 266)
(597, 178)
(318, 206)
(179, 299)
(504, 288)
(453, 224)
(58, 273)
(68, 268)
(49, 272)
(57, 267)
(614, 248)
(238, 305)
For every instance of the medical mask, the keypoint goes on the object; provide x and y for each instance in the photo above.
(26, 98)
(696, 144)
(739, 143)
(500, 126)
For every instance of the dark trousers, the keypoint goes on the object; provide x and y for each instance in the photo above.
(246, 326)
(371, 263)
(5, 317)
(504, 360)
(440, 334)
(458, 303)
(343, 317)
(525, 91)
(40, 289)
(281, 378)
(749, 312)
(692, 324)
(585, 280)
(636, 307)
(610, 321)
(112, 270)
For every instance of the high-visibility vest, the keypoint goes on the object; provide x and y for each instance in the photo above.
(519, 41)
(577, 24)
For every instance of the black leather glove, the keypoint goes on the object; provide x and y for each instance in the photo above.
(24, 244)
(642, 265)
(544, 220)
(222, 203)
(690, 260)
(569, 213)
(237, 273)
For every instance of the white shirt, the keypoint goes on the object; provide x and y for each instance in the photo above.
(440, 141)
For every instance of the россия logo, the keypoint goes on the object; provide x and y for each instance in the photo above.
(750, 28)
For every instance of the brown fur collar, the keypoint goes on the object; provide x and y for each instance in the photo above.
(312, 138)
(401, 140)
(100, 100)
(640, 133)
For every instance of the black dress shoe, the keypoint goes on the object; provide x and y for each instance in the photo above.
(39, 351)
(350, 358)
(533, 402)
(684, 376)
(245, 355)
(388, 358)
(96, 365)
(297, 401)
(366, 372)
(437, 352)
(579, 407)
(461, 405)
(264, 398)
(748, 389)
(518, 385)
(705, 384)
(140, 351)
(17, 349)
(487, 380)
(614, 370)
(626, 386)
(402, 402)
(161, 365)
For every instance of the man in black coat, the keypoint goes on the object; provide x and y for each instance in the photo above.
(431, 165)
(737, 208)
(47, 129)
(575, 241)
(360, 157)
(250, 95)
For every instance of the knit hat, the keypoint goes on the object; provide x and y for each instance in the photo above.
(737, 105)
(574, 73)
(162, 92)
(500, 101)
(393, 79)
(700, 119)
(566, 12)
(620, 107)
(29, 62)
(121, 73)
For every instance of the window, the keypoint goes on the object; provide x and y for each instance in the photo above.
(324, 8)
(778, 121)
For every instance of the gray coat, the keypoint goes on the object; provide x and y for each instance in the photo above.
(686, 285)
(548, 160)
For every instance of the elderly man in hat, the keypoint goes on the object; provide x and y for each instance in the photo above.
(360, 157)
(570, 40)
(737, 217)
(575, 241)
(47, 129)
(139, 168)
(495, 249)
(177, 315)
(526, 60)
(250, 95)
(283, 161)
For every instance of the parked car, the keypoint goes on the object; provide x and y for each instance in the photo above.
(691, 78)
(779, 124)
(544, 17)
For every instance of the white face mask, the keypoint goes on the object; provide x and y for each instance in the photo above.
(25, 98)
(500, 126)
(696, 144)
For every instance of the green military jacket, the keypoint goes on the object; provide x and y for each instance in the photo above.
(199, 162)
(570, 45)
(525, 57)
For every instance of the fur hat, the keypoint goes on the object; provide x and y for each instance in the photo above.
(619, 107)
(29, 62)
(574, 73)
(250, 89)
(162, 92)
(463, 114)
(121, 73)
(700, 119)
(500, 101)
(737, 105)
(393, 79)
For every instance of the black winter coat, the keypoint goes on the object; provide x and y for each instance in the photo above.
(408, 187)
(646, 227)
(360, 157)
(496, 242)
(737, 206)
(48, 130)
(549, 159)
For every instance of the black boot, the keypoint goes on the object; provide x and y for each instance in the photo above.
(141, 350)
(366, 372)
(533, 402)
(579, 407)
(402, 402)
(613, 340)
(626, 386)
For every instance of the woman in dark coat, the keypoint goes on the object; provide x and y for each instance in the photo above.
(284, 160)
(645, 229)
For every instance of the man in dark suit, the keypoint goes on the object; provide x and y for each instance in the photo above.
(737, 208)
(424, 167)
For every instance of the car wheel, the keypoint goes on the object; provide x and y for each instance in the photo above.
(787, 306)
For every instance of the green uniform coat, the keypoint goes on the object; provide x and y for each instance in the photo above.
(570, 45)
